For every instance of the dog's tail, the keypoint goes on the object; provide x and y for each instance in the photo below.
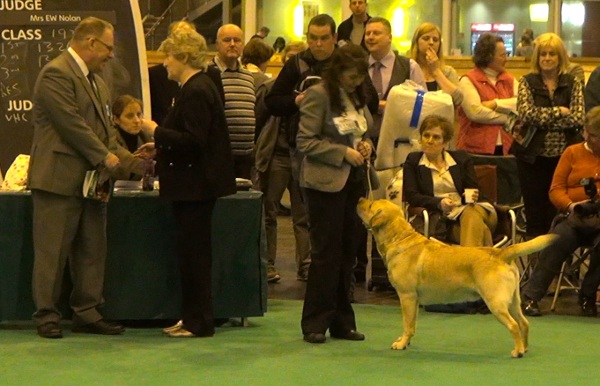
(509, 254)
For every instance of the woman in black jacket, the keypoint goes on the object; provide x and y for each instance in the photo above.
(436, 179)
(195, 167)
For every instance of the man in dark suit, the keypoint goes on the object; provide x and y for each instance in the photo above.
(72, 134)
(394, 69)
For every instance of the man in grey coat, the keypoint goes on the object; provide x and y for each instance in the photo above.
(72, 134)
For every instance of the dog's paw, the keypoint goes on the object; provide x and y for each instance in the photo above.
(517, 354)
(400, 344)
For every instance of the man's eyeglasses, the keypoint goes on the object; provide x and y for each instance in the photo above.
(108, 46)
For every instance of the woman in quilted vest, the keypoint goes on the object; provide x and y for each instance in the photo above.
(489, 96)
(550, 105)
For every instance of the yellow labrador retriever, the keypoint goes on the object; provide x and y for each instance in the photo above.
(426, 271)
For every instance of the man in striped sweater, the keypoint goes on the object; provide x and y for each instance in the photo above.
(240, 98)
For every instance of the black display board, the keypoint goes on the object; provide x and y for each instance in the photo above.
(33, 32)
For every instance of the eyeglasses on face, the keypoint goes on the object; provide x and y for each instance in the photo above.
(108, 46)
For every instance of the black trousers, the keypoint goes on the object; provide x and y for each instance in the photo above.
(551, 259)
(194, 249)
(333, 223)
(535, 182)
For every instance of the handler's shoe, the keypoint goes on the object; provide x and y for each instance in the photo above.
(349, 335)
(315, 337)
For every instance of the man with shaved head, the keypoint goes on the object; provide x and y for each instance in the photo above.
(240, 98)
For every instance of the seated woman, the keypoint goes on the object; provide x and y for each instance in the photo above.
(566, 192)
(127, 120)
(436, 179)
(489, 96)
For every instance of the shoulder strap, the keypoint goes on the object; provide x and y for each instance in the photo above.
(301, 65)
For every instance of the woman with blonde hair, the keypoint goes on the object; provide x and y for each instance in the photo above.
(550, 105)
(425, 49)
(195, 167)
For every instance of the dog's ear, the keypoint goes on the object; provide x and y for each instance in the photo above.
(377, 220)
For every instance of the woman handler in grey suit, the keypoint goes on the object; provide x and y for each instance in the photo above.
(333, 121)
(195, 167)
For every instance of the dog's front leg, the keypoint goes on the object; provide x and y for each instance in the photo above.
(410, 305)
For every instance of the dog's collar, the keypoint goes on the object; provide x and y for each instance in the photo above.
(369, 226)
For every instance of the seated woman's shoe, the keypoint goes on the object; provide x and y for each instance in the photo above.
(315, 337)
(530, 307)
(588, 305)
(349, 335)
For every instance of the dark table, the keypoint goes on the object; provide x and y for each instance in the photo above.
(142, 277)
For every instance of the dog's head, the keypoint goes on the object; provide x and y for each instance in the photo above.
(375, 214)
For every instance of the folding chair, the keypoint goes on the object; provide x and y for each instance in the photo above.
(568, 278)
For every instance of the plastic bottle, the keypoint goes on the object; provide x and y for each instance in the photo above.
(148, 177)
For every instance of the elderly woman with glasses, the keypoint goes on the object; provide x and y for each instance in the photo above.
(436, 179)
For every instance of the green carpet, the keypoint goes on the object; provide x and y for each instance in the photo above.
(447, 350)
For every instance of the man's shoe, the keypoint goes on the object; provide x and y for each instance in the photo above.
(349, 335)
(302, 276)
(588, 306)
(50, 330)
(174, 327)
(530, 308)
(100, 327)
(315, 337)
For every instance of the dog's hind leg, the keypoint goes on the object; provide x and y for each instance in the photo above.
(501, 313)
(410, 306)
(515, 311)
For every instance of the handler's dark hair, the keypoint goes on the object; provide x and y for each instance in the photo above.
(345, 58)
